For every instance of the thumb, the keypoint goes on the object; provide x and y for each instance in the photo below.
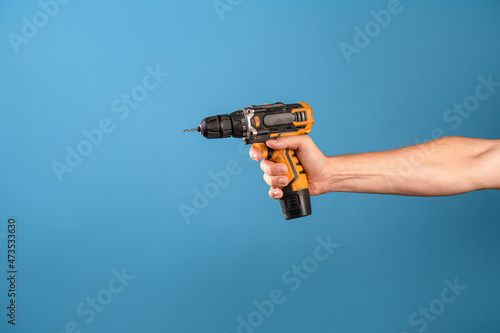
(303, 145)
(295, 142)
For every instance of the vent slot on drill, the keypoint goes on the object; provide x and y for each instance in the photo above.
(300, 116)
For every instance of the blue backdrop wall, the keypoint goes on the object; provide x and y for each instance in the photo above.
(103, 190)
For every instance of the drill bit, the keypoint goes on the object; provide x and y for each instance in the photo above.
(192, 129)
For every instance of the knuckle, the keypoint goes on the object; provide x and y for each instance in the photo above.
(274, 169)
(267, 166)
(282, 167)
(279, 181)
(268, 180)
(263, 165)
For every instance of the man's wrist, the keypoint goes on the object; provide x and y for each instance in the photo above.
(337, 176)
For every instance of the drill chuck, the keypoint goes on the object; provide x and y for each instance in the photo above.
(214, 127)
(222, 126)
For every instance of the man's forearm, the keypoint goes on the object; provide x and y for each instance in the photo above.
(446, 166)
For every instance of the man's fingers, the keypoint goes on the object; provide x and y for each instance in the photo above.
(273, 169)
(275, 193)
(255, 154)
(275, 173)
(276, 181)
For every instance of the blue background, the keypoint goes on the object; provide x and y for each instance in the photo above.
(121, 207)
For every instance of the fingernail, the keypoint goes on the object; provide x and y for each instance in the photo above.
(276, 193)
(254, 156)
(283, 181)
(282, 169)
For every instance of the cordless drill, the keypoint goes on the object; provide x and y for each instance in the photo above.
(258, 123)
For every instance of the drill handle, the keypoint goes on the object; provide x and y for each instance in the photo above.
(296, 200)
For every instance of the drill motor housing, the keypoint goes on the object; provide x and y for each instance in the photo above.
(259, 123)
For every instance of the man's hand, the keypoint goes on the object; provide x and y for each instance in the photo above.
(312, 159)
(446, 166)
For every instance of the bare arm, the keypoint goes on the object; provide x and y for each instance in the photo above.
(446, 166)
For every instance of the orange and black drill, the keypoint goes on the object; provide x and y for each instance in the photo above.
(258, 123)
